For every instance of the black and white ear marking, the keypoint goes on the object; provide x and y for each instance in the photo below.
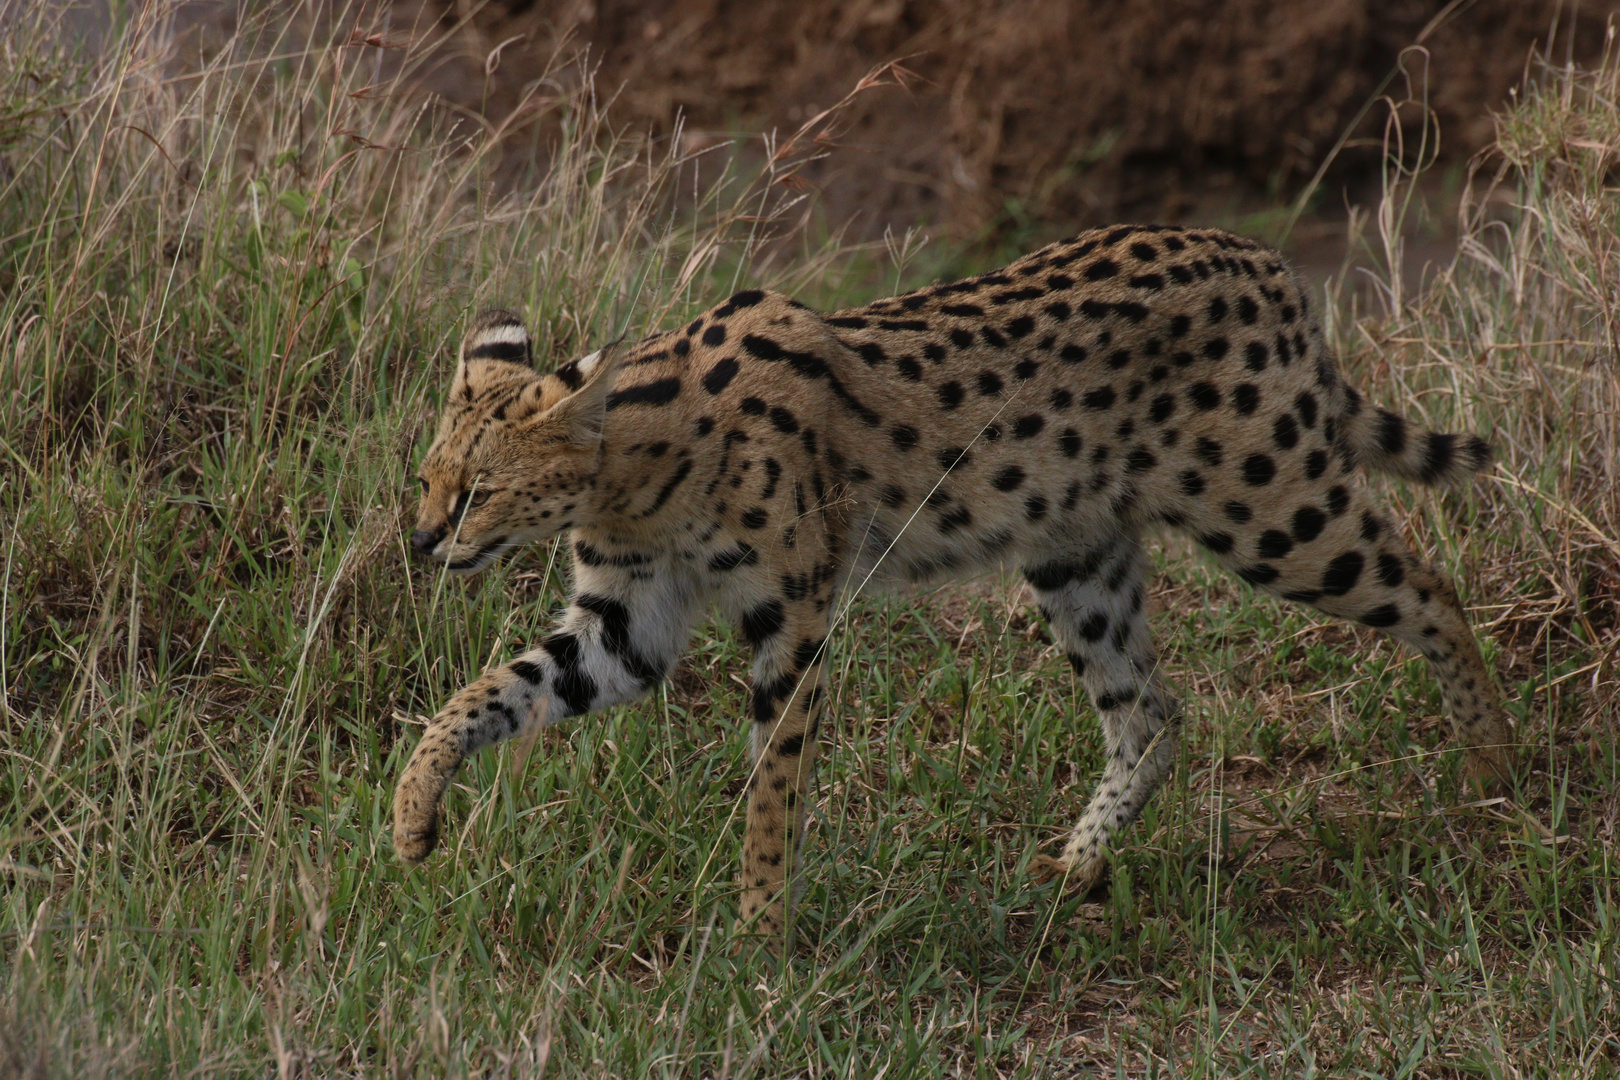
(497, 335)
(582, 413)
(574, 373)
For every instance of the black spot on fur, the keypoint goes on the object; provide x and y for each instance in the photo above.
(808, 651)
(1308, 524)
(958, 517)
(1437, 456)
(1069, 442)
(658, 392)
(1140, 460)
(1049, 577)
(574, 686)
(1101, 270)
(989, 383)
(1246, 398)
(763, 621)
(732, 558)
(1342, 573)
(1258, 574)
(1100, 399)
(1383, 616)
(720, 376)
(1258, 470)
(1274, 544)
(871, 352)
(1390, 570)
(1205, 396)
(1028, 426)
(950, 395)
(1209, 451)
(1285, 431)
(513, 352)
(1391, 432)
(1009, 478)
(715, 335)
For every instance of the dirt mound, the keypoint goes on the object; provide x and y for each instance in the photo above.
(1077, 111)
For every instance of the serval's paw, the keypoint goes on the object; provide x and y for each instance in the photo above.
(1074, 877)
(414, 845)
(1043, 869)
(1487, 772)
(416, 804)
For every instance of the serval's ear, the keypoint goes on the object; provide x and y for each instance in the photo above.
(579, 414)
(495, 338)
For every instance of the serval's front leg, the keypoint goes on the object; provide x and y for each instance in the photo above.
(789, 686)
(625, 626)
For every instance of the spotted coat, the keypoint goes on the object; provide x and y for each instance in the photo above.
(772, 459)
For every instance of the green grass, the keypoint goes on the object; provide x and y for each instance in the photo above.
(215, 655)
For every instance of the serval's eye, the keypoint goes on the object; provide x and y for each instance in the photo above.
(423, 481)
(479, 499)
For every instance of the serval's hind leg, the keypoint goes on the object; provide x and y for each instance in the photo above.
(1339, 554)
(1093, 602)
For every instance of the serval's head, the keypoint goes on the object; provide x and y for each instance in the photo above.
(517, 452)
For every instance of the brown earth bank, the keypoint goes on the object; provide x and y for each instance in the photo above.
(1061, 112)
